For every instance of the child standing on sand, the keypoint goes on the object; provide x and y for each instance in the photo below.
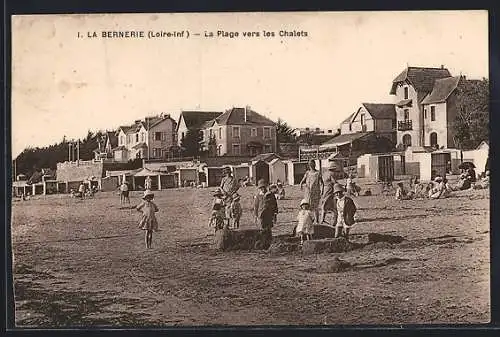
(305, 219)
(148, 221)
(236, 211)
(218, 211)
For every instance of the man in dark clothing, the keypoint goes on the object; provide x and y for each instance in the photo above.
(265, 209)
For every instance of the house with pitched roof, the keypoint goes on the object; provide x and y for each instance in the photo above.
(151, 138)
(240, 132)
(379, 118)
(193, 120)
(409, 89)
(440, 111)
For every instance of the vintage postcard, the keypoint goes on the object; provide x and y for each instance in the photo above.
(244, 169)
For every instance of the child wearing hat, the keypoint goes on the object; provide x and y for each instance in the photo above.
(236, 210)
(218, 210)
(148, 221)
(265, 208)
(346, 210)
(305, 219)
(400, 192)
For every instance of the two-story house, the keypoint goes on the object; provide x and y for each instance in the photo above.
(410, 88)
(193, 120)
(440, 111)
(240, 132)
(150, 138)
(379, 118)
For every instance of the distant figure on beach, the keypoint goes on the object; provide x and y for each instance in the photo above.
(281, 191)
(148, 221)
(124, 193)
(81, 191)
(328, 203)
(314, 184)
(147, 183)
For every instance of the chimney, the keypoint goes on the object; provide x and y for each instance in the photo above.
(442, 66)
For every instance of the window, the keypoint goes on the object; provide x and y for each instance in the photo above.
(137, 138)
(143, 137)
(433, 139)
(406, 92)
(219, 150)
(253, 132)
(156, 152)
(425, 113)
(122, 140)
(182, 135)
(433, 113)
(210, 132)
(362, 119)
(406, 114)
(158, 135)
(236, 132)
(267, 148)
(236, 149)
(220, 133)
(350, 127)
(407, 140)
(267, 132)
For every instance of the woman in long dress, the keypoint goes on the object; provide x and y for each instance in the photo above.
(314, 184)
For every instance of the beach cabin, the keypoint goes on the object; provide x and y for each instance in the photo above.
(381, 167)
(277, 171)
(188, 175)
(240, 172)
(139, 179)
(294, 171)
(260, 166)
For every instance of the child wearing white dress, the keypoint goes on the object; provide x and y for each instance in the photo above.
(305, 219)
(148, 221)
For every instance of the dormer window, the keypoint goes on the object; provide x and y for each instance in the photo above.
(405, 90)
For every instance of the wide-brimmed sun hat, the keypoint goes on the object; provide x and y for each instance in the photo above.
(438, 179)
(261, 183)
(304, 202)
(148, 193)
(226, 169)
(338, 188)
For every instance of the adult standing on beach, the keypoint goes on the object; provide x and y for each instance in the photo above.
(328, 203)
(314, 184)
(229, 187)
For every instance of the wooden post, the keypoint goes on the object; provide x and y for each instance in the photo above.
(78, 152)
(44, 184)
(159, 182)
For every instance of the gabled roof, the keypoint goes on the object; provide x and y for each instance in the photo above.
(349, 119)
(267, 157)
(381, 110)
(195, 119)
(121, 147)
(346, 138)
(140, 145)
(207, 124)
(421, 78)
(236, 116)
(112, 138)
(442, 90)
(125, 128)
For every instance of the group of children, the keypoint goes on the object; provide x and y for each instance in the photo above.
(220, 210)
(344, 210)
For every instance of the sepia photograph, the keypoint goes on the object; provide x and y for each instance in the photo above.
(250, 169)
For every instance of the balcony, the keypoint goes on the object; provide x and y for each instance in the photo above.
(405, 125)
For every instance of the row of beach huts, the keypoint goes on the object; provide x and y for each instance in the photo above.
(421, 162)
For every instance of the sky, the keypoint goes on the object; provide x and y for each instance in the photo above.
(64, 85)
